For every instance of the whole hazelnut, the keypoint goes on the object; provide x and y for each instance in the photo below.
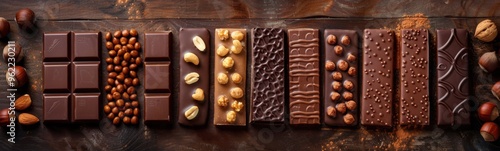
(336, 86)
(331, 39)
(345, 40)
(329, 65)
(342, 65)
(489, 131)
(4, 27)
(351, 105)
(337, 76)
(227, 62)
(133, 32)
(351, 57)
(351, 71)
(348, 119)
(488, 112)
(16, 77)
(222, 78)
(488, 62)
(25, 19)
(14, 52)
(341, 108)
(495, 90)
(5, 116)
(348, 85)
(334, 96)
(331, 112)
(338, 50)
(108, 36)
(347, 95)
(236, 77)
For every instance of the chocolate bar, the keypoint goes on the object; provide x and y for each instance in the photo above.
(268, 75)
(341, 89)
(230, 77)
(56, 46)
(304, 76)
(452, 74)
(56, 108)
(157, 108)
(414, 77)
(85, 107)
(377, 77)
(194, 86)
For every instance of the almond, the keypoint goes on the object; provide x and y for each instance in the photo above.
(27, 119)
(23, 102)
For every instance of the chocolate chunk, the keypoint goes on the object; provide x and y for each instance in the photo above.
(304, 76)
(452, 74)
(186, 91)
(157, 108)
(56, 108)
(56, 47)
(157, 46)
(377, 76)
(86, 76)
(156, 78)
(56, 77)
(414, 77)
(268, 75)
(343, 62)
(85, 46)
(232, 68)
(85, 107)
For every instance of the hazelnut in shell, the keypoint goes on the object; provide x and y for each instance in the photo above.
(25, 19)
(488, 112)
(488, 62)
(16, 77)
(5, 117)
(15, 52)
(495, 89)
(4, 27)
(489, 131)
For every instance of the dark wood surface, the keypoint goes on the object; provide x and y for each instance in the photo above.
(99, 15)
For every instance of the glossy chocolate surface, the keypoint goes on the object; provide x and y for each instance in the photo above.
(56, 108)
(157, 108)
(157, 46)
(56, 46)
(85, 107)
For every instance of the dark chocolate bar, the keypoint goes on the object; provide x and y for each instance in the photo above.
(157, 108)
(56, 108)
(56, 46)
(85, 107)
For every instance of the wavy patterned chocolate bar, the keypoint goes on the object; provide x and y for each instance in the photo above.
(414, 77)
(304, 76)
(377, 77)
(268, 75)
(453, 82)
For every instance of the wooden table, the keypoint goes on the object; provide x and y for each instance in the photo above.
(157, 15)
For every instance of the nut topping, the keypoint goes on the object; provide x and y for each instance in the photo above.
(199, 43)
(236, 92)
(222, 78)
(191, 78)
(191, 113)
(198, 95)
(191, 57)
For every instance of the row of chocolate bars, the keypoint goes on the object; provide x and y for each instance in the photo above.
(322, 84)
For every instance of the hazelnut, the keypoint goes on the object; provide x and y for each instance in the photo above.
(489, 131)
(348, 85)
(4, 27)
(486, 31)
(336, 86)
(351, 57)
(495, 89)
(125, 33)
(329, 65)
(108, 36)
(351, 71)
(488, 112)
(331, 39)
(345, 40)
(237, 35)
(337, 76)
(330, 111)
(16, 77)
(5, 116)
(347, 95)
(133, 32)
(111, 116)
(25, 19)
(341, 108)
(338, 50)
(342, 65)
(488, 62)
(351, 105)
(237, 106)
(236, 77)
(223, 34)
(116, 121)
(236, 93)
(348, 119)
(222, 51)
(231, 116)
(222, 78)
(227, 62)
(222, 101)
(13, 53)
(334, 96)
(117, 34)
(237, 47)
(134, 120)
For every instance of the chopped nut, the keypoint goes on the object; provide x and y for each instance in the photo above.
(352, 71)
(222, 78)
(347, 95)
(191, 57)
(198, 95)
(351, 105)
(236, 77)
(231, 116)
(336, 85)
(348, 119)
(237, 47)
(342, 65)
(351, 57)
(348, 85)
(338, 50)
(330, 111)
(237, 106)
(191, 78)
(199, 43)
(223, 34)
(331, 39)
(345, 40)
(227, 62)
(329, 65)
(222, 51)
(237, 35)
(222, 101)
(341, 108)
(191, 113)
(337, 76)
(236, 93)
(334, 96)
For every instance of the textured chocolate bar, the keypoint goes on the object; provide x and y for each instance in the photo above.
(377, 77)
(452, 74)
(304, 76)
(268, 75)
